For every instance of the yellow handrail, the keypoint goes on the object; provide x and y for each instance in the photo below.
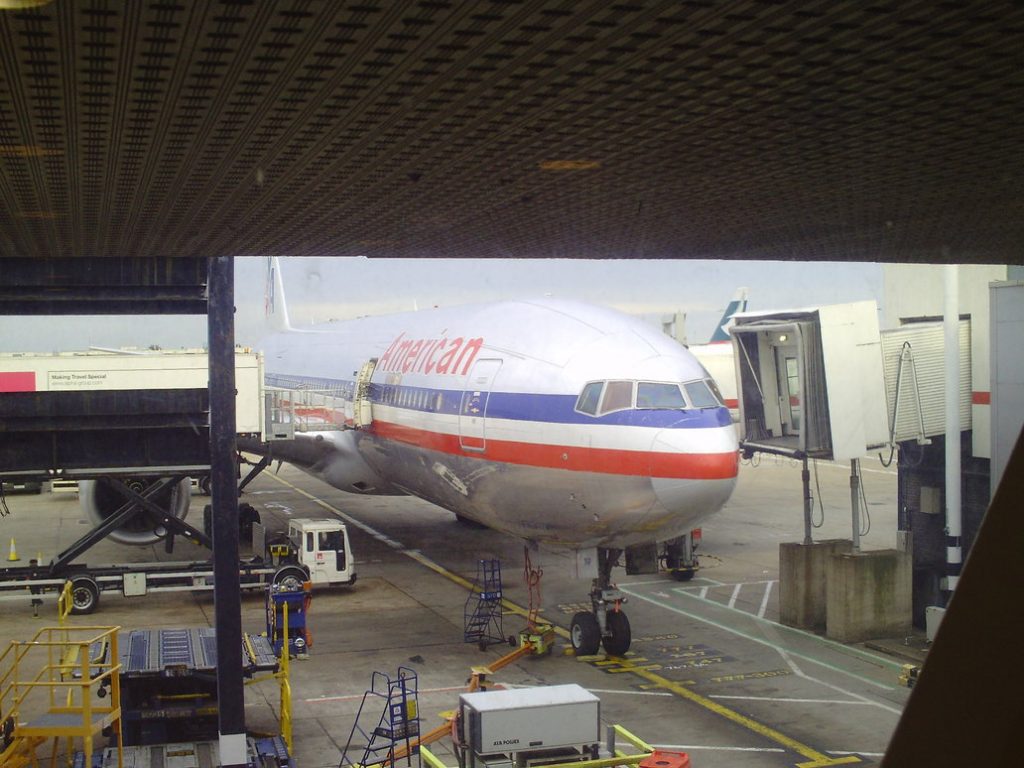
(64, 663)
(65, 603)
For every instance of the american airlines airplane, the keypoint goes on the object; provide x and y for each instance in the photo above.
(558, 422)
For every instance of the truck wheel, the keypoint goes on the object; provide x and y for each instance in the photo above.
(290, 578)
(85, 596)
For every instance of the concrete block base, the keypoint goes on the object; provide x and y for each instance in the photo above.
(869, 595)
(802, 573)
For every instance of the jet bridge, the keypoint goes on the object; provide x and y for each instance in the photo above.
(811, 386)
(810, 381)
(67, 414)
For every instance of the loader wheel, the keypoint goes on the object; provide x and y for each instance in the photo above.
(290, 578)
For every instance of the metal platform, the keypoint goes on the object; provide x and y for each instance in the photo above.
(183, 652)
(263, 753)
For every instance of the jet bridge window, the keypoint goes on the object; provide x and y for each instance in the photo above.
(653, 394)
(701, 395)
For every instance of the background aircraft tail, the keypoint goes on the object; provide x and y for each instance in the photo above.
(274, 307)
(738, 304)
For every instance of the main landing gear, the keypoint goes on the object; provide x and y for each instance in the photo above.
(681, 556)
(606, 624)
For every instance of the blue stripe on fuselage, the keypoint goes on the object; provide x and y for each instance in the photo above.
(514, 406)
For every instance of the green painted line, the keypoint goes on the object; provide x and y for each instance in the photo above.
(880, 660)
(759, 640)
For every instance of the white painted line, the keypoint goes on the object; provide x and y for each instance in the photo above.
(704, 593)
(664, 581)
(735, 594)
(355, 696)
(693, 747)
(764, 600)
(599, 690)
(792, 701)
(450, 688)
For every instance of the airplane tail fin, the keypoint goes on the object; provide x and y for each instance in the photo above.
(274, 307)
(738, 304)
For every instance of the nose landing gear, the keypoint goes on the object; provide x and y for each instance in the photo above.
(606, 623)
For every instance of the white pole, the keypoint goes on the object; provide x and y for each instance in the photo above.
(951, 327)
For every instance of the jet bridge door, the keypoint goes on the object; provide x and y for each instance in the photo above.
(473, 408)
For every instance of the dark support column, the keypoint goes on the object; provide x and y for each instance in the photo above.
(224, 489)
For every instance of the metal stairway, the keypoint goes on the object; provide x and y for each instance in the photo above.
(482, 616)
(397, 726)
(49, 688)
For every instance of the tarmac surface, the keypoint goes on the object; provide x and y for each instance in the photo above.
(710, 671)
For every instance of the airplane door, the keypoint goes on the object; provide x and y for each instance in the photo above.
(473, 409)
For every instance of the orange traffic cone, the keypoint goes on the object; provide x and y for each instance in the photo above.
(13, 556)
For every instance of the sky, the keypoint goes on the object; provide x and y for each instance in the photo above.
(321, 289)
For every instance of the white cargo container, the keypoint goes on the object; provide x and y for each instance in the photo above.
(544, 721)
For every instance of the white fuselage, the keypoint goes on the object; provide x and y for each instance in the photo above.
(478, 409)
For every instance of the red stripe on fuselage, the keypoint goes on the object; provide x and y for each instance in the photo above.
(691, 466)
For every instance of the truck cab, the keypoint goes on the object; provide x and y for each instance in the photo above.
(322, 546)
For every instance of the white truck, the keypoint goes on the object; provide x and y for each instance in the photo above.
(313, 550)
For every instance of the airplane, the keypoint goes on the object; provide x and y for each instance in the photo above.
(562, 423)
(718, 356)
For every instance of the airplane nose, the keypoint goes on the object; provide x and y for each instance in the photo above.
(693, 473)
(695, 454)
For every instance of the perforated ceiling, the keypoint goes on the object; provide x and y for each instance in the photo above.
(825, 130)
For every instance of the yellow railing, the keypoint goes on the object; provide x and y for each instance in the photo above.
(619, 759)
(285, 700)
(80, 661)
(65, 603)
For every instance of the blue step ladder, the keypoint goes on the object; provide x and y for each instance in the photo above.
(397, 730)
(482, 616)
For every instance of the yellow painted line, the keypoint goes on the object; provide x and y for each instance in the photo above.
(815, 759)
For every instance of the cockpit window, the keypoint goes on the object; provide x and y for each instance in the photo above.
(715, 390)
(589, 398)
(700, 395)
(653, 394)
(617, 395)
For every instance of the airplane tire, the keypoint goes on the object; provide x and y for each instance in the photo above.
(683, 574)
(620, 636)
(290, 578)
(85, 596)
(585, 634)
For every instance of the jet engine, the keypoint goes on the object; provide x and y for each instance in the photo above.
(99, 501)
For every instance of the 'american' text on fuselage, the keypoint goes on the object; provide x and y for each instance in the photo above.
(442, 355)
